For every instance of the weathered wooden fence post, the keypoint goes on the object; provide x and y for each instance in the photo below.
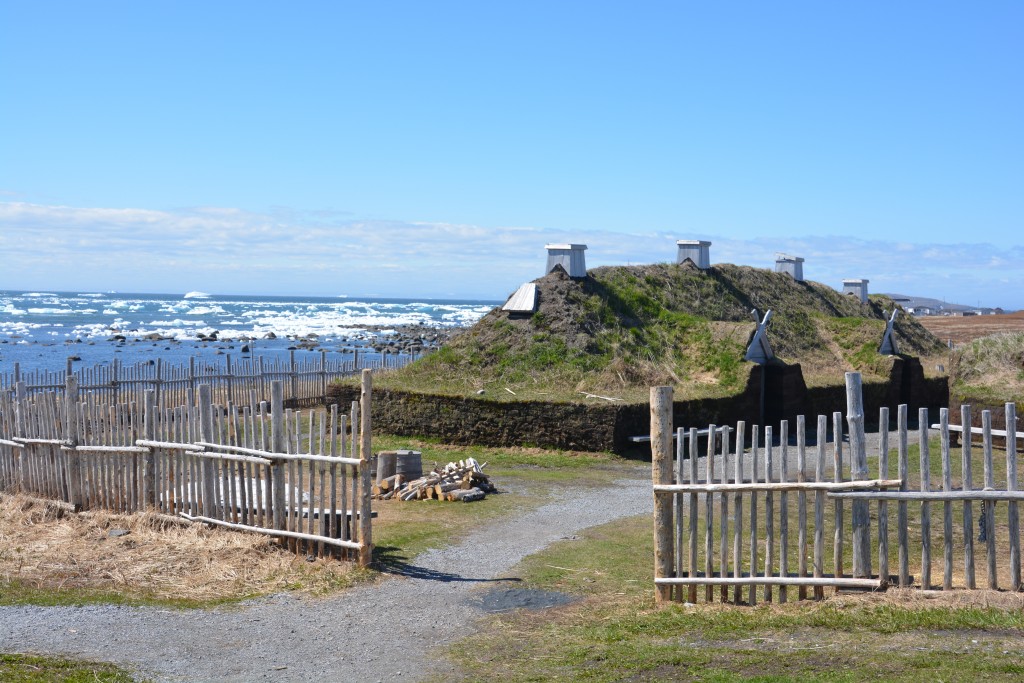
(149, 496)
(661, 470)
(323, 375)
(159, 380)
(74, 481)
(278, 445)
(207, 465)
(21, 427)
(263, 384)
(947, 505)
(115, 380)
(1011, 485)
(883, 506)
(903, 465)
(365, 445)
(926, 486)
(989, 506)
(966, 471)
(229, 376)
(293, 376)
(859, 467)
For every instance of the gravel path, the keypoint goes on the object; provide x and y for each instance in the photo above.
(380, 632)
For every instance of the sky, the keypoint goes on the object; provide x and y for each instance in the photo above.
(432, 149)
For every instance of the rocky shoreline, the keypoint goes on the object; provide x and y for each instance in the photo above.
(402, 340)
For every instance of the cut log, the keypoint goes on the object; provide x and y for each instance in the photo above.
(468, 495)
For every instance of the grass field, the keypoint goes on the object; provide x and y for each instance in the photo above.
(31, 669)
(614, 632)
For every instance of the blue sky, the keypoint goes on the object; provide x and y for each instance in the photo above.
(431, 149)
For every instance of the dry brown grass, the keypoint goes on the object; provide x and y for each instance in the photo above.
(965, 329)
(43, 548)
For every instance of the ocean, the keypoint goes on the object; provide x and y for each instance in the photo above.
(41, 330)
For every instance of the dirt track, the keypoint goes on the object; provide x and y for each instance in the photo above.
(385, 631)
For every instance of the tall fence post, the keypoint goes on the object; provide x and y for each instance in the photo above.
(661, 471)
(277, 439)
(149, 462)
(365, 444)
(71, 436)
(859, 467)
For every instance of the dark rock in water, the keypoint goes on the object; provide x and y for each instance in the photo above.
(292, 348)
(74, 358)
(245, 348)
(270, 335)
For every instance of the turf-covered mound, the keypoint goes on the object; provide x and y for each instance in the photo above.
(624, 328)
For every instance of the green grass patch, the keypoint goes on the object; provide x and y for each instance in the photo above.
(32, 669)
(615, 632)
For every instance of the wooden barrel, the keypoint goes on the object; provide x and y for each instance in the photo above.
(385, 465)
(409, 464)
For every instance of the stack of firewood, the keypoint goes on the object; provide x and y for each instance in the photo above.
(463, 480)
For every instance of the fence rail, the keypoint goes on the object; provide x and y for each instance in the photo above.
(749, 550)
(302, 477)
(234, 381)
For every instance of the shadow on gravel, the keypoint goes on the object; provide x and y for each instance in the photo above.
(389, 560)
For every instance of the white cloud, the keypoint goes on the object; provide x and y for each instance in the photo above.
(230, 250)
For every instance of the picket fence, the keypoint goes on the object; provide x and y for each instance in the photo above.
(303, 478)
(234, 381)
(750, 548)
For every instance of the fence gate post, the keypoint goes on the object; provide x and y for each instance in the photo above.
(859, 467)
(365, 444)
(661, 471)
